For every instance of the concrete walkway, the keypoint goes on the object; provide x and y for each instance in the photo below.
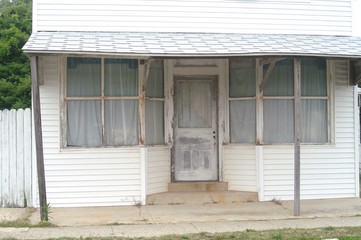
(156, 220)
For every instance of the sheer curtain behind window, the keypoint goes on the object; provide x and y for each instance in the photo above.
(314, 101)
(84, 116)
(121, 115)
(278, 103)
(242, 101)
(154, 105)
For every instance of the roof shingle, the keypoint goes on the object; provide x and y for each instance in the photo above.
(193, 44)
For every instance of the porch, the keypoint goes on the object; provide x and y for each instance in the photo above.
(247, 212)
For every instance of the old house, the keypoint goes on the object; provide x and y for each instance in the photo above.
(137, 96)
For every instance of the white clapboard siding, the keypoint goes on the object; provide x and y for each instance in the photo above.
(158, 169)
(262, 16)
(326, 171)
(15, 158)
(341, 72)
(240, 168)
(83, 177)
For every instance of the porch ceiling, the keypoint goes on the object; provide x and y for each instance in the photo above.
(154, 44)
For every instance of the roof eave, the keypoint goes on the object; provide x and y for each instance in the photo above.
(178, 55)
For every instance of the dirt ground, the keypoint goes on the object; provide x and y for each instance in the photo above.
(13, 214)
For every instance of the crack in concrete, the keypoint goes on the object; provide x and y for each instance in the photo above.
(192, 224)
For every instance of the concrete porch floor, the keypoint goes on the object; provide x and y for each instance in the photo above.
(161, 214)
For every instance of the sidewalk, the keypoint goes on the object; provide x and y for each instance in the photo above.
(156, 220)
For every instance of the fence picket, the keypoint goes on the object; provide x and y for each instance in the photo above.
(5, 159)
(19, 157)
(28, 168)
(12, 158)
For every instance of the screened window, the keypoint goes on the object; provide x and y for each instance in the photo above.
(102, 103)
(242, 101)
(277, 102)
(278, 115)
(314, 101)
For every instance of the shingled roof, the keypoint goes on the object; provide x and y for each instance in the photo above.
(192, 44)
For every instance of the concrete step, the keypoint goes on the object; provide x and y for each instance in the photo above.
(197, 186)
(173, 198)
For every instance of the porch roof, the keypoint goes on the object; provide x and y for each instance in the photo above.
(156, 44)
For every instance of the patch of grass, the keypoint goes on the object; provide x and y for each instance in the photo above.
(329, 228)
(15, 224)
(24, 223)
(277, 236)
(43, 224)
(117, 224)
(47, 210)
(277, 201)
(348, 233)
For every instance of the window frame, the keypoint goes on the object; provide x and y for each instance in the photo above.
(143, 67)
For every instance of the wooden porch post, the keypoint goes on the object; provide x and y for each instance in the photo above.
(38, 135)
(297, 125)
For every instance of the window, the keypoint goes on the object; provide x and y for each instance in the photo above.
(242, 101)
(102, 103)
(277, 101)
(314, 101)
(154, 105)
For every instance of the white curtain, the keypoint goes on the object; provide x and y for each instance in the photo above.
(242, 112)
(314, 111)
(242, 78)
(121, 122)
(242, 116)
(83, 116)
(84, 128)
(121, 116)
(154, 105)
(278, 119)
(154, 122)
(194, 104)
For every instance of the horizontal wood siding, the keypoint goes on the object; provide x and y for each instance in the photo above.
(240, 168)
(83, 177)
(158, 169)
(263, 16)
(326, 171)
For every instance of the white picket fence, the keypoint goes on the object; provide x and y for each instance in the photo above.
(16, 170)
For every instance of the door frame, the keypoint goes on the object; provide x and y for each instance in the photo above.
(205, 67)
(214, 79)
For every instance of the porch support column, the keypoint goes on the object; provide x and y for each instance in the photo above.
(297, 133)
(38, 136)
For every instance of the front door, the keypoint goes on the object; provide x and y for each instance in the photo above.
(195, 130)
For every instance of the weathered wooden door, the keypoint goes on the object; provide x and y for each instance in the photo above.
(195, 152)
